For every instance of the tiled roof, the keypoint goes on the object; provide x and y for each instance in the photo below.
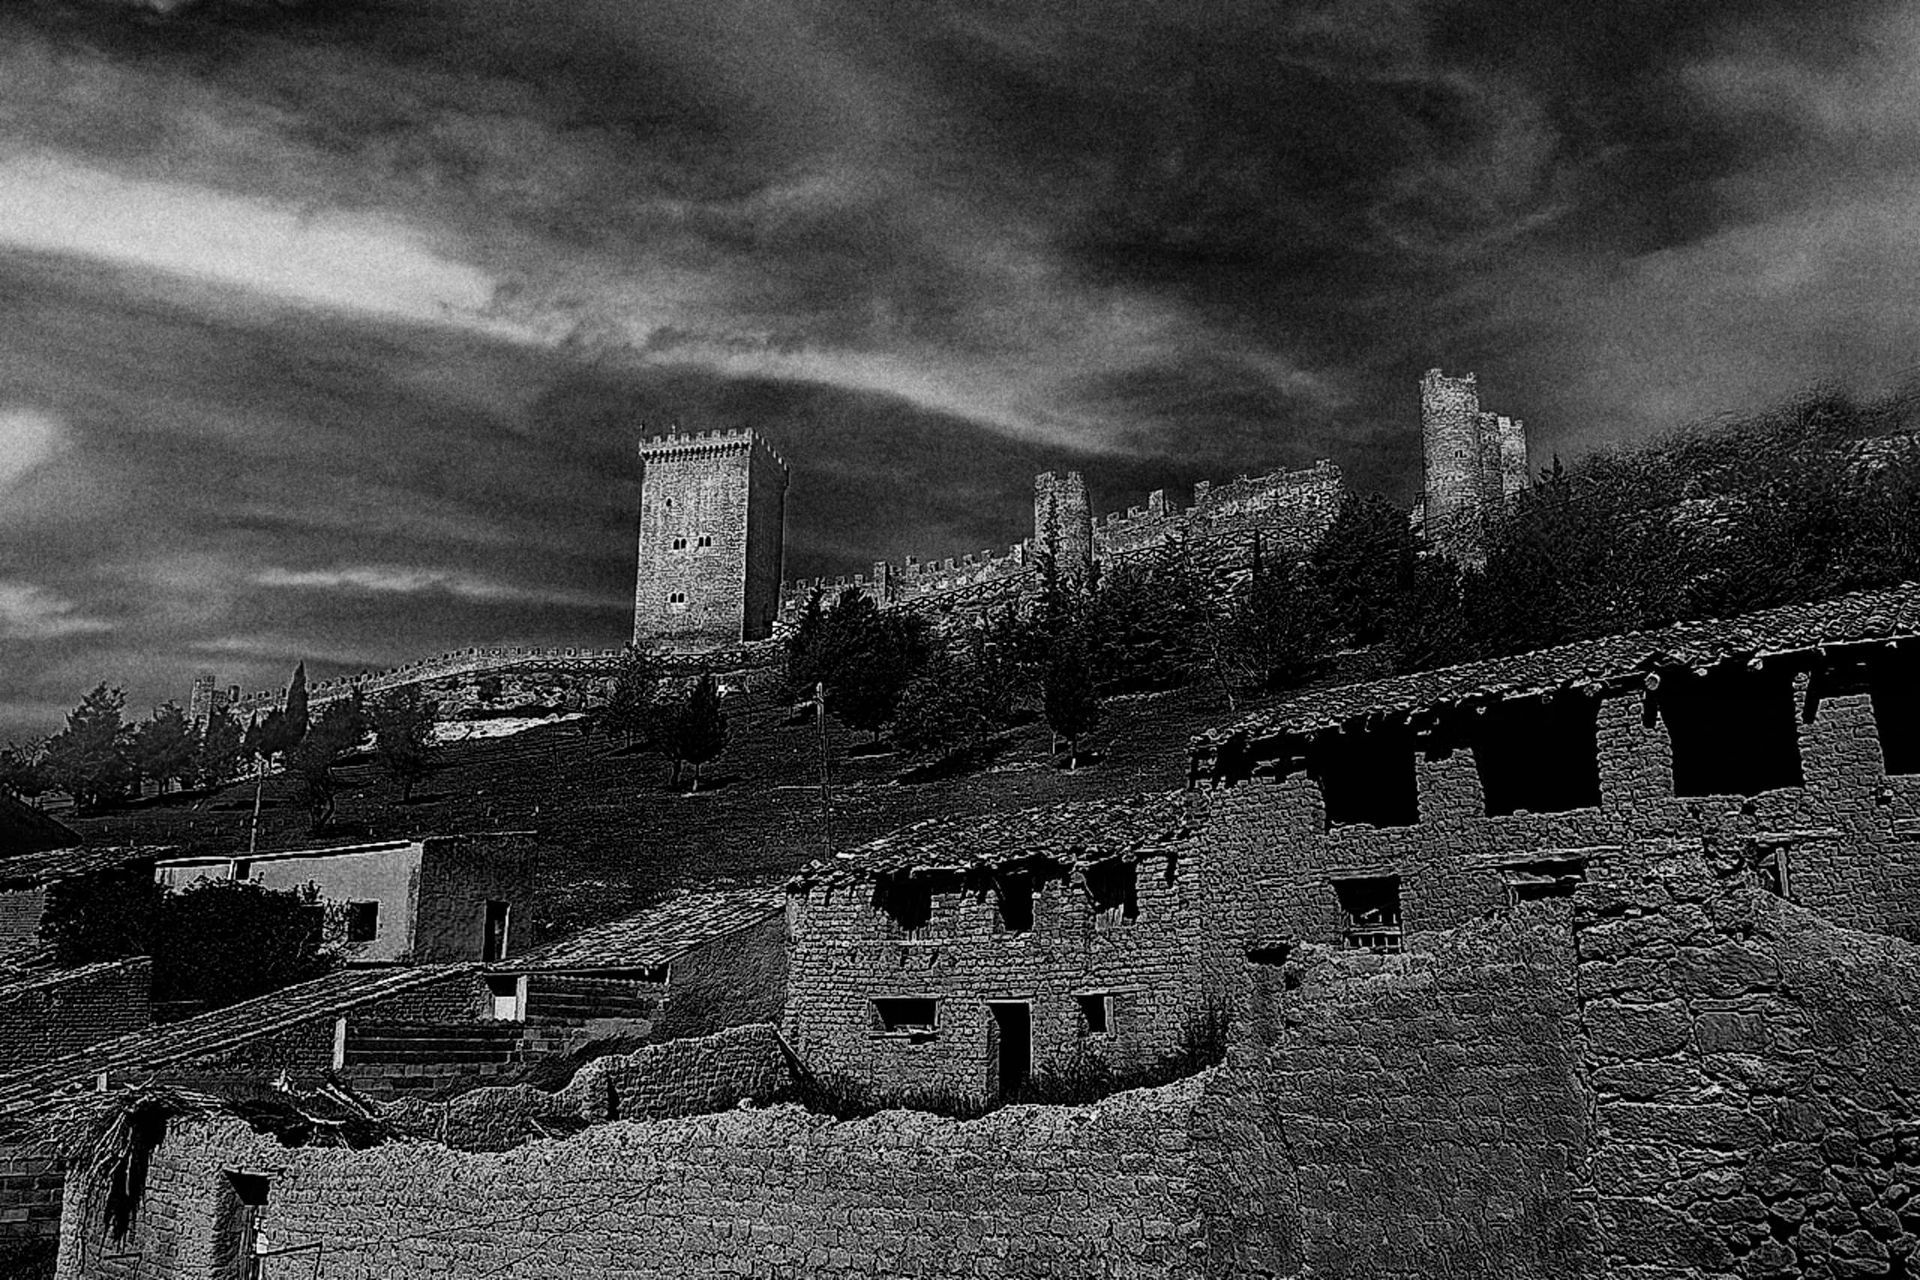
(1074, 833)
(223, 1029)
(654, 936)
(30, 869)
(1862, 616)
(25, 829)
(18, 980)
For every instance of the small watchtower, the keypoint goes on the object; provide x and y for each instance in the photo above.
(712, 520)
(1475, 463)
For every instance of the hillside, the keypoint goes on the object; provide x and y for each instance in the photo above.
(620, 838)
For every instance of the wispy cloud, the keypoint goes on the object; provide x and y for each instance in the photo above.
(30, 612)
(406, 580)
(28, 437)
(366, 263)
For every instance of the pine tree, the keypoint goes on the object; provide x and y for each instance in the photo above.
(699, 729)
(88, 759)
(164, 745)
(1072, 706)
(336, 731)
(221, 749)
(296, 707)
(403, 736)
(629, 709)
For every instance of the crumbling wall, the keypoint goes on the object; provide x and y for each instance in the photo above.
(847, 953)
(1849, 834)
(1425, 1111)
(1756, 1075)
(1027, 1191)
(730, 981)
(63, 1013)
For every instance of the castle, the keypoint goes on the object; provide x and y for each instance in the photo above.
(712, 523)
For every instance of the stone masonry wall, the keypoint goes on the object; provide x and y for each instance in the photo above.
(1428, 1109)
(65, 1012)
(20, 912)
(1844, 833)
(846, 953)
(1028, 1191)
(1756, 1077)
(459, 875)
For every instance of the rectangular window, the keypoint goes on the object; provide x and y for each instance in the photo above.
(1770, 865)
(242, 869)
(1540, 756)
(1013, 902)
(907, 1014)
(1893, 682)
(1113, 888)
(1538, 881)
(503, 991)
(363, 921)
(1096, 1010)
(1367, 777)
(1371, 907)
(1734, 731)
(493, 935)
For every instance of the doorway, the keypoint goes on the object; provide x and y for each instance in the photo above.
(1012, 1046)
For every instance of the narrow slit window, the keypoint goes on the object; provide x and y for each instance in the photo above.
(706, 539)
(1370, 907)
(1367, 778)
(679, 544)
(907, 1014)
(1096, 1012)
(1539, 756)
(1733, 730)
(1114, 889)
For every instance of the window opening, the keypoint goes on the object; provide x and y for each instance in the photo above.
(679, 544)
(504, 994)
(1541, 756)
(1538, 881)
(907, 902)
(1367, 777)
(1733, 730)
(1372, 909)
(242, 869)
(1272, 953)
(1770, 864)
(493, 938)
(363, 921)
(908, 1014)
(1012, 1031)
(1013, 901)
(1096, 1009)
(1893, 684)
(1113, 886)
(706, 539)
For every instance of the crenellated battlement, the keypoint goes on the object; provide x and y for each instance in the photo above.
(718, 440)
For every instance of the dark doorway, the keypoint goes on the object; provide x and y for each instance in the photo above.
(237, 1230)
(1013, 1046)
(494, 945)
(1734, 732)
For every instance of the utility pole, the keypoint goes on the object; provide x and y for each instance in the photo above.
(259, 781)
(826, 795)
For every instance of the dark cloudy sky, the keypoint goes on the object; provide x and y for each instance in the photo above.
(326, 329)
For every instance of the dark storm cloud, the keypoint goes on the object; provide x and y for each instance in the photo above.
(379, 291)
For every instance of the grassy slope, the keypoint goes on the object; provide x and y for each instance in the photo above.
(619, 838)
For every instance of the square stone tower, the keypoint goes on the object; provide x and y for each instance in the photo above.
(712, 519)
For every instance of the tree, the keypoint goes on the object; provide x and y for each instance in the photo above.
(629, 709)
(221, 748)
(164, 745)
(297, 722)
(402, 723)
(336, 731)
(863, 655)
(1278, 632)
(1361, 568)
(698, 729)
(222, 941)
(1072, 706)
(949, 707)
(105, 916)
(23, 769)
(88, 759)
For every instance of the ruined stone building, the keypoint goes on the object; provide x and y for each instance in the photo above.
(1474, 463)
(960, 956)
